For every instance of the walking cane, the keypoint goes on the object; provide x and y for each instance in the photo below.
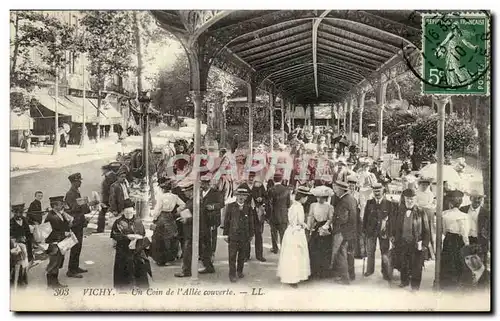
(364, 254)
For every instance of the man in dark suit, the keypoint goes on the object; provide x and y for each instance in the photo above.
(344, 230)
(20, 234)
(411, 234)
(378, 211)
(476, 276)
(109, 179)
(211, 203)
(34, 213)
(382, 175)
(60, 230)
(77, 210)
(238, 230)
(119, 192)
(256, 199)
(479, 223)
(279, 198)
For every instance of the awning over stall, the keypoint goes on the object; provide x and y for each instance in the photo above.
(20, 122)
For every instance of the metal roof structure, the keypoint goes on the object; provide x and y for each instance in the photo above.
(307, 56)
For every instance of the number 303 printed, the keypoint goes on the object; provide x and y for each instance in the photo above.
(61, 292)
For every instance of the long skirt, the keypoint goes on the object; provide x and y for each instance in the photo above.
(452, 263)
(164, 246)
(130, 270)
(320, 253)
(293, 265)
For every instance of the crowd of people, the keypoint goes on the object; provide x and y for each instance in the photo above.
(322, 215)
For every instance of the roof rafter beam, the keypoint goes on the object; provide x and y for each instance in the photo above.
(354, 54)
(246, 44)
(278, 55)
(294, 76)
(277, 47)
(340, 73)
(287, 71)
(344, 59)
(300, 54)
(349, 36)
(315, 47)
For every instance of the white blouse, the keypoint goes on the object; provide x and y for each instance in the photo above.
(457, 222)
(166, 202)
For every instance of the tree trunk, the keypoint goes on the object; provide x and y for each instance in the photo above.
(483, 128)
(55, 148)
(16, 46)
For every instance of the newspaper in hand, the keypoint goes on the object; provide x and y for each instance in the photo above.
(66, 244)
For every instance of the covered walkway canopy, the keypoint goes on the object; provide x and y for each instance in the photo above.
(306, 57)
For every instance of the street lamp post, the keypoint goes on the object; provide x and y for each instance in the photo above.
(144, 99)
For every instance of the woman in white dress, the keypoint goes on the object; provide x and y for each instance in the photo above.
(293, 265)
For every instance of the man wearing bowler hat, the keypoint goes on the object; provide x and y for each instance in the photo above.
(60, 230)
(77, 210)
(344, 227)
(238, 230)
(378, 212)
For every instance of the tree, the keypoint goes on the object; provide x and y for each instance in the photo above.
(108, 40)
(24, 74)
(56, 38)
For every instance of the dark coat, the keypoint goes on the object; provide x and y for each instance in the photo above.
(482, 284)
(483, 226)
(381, 178)
(116, 198)
(22, 234)
(420, 226)
(109, 179)
(34, 212)
(77, 211)
(279, 199)
(345, 217)
(374, 214)
(131, 267)
(216, 199)
(59, 227)
(238, 224)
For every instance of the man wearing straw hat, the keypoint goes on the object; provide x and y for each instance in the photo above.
(479, 223)
(344, 232)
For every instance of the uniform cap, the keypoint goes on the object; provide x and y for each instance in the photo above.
(75, 177)
(18, 207)
(56, 199)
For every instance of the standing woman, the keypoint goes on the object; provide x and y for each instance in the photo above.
(293, 265)
(319, 223)
(456, 229)
(131, 266)
(164, 247)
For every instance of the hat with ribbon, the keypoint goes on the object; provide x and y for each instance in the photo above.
(342, 185)
(18, 207)
(377, 186)
(304, 190)
(241, 191)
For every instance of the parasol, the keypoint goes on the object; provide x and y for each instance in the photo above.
(449, 173)
(322, 191)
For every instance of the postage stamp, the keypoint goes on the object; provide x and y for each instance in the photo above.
(456, 53)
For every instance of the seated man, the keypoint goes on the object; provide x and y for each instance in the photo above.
(476, 276)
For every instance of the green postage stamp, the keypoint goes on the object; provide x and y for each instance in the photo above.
(456, 53)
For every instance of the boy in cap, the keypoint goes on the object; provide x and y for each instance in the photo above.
(21, 239)
(411, 235)
(238, 230)
(60, 224)
(119, 192)
(78, 212)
